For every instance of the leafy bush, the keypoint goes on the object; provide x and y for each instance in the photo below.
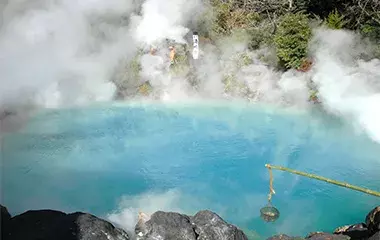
(292, 38)
(180, 67)
(244, 59)
(335, 20)
(228, 18)
(220, 24)
(126, 75)
(134, 67)
(313, 97)
(145, 89)
(262, 35)
(371, 29)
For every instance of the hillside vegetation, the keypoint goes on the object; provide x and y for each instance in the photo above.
(283, 25)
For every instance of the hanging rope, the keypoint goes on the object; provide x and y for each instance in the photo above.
(271, 190)
(342, 184)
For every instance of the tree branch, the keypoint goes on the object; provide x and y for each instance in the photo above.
(363, 8)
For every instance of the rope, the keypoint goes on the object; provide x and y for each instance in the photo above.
(342, 184)
(271, 190)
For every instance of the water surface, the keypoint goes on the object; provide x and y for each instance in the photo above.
(192, 157)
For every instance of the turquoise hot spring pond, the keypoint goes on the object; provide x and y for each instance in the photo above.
(187, 157)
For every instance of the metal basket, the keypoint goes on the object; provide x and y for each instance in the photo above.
(269, 213)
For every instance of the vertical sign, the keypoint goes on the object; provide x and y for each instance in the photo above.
(195, 45)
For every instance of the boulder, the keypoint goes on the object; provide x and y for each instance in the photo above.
(355, 231)
(372, 220)
(49, 224)
(166, 225)
(284, 237)
(174, 226)
(5, 218)
(376, 236)
(140, 228)
(326, 236)
(210, 226)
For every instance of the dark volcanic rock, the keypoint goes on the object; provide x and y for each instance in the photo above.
(284, 237)
(356, 231)
(49, 224)
(5, 216)
(372, 220)
(210, 226)
(370, 230)
(166, 225)
(5, 219)
(376, 236)
(326, 236)
(91, 227)
(174, 226)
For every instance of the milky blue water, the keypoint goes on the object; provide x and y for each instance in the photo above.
(189, 157)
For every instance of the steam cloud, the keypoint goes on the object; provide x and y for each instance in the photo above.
(64, 53)
(60, 53)
(348, 85)
(148, 203)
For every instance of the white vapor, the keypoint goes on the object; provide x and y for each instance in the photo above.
(348, 85)
(126, 216)
(174, 200)
(129, 207)
(163, 20)
(60, 53)
(57, 53)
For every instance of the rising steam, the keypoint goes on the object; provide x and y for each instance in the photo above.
(349, 86)
(60, 53)
(64, 53)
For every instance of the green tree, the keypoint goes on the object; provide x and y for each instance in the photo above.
(335, 20)
(292, 38)
(228, 17)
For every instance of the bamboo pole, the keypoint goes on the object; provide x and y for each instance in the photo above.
(342, 184)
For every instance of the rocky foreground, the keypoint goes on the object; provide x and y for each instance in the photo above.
(205, 225)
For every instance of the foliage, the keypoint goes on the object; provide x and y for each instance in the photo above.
(291, 39)
(126, 76)
(305, 65)
(371, 30)
(145, 89)
(262, 35)
(335, 20)
(313, 97)
(227, 18)
(134, 67)
(256, 18)
(323, 8)
(232, 84)
(244, 60)
(181, 62)
(220, 25)
(229, 82)
(283, 25)
(205, 23)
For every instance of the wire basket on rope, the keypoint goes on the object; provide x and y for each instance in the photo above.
(269, 213)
